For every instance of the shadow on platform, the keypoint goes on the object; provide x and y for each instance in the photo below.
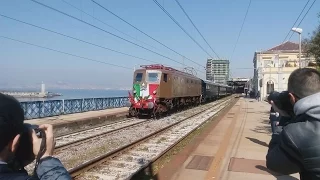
(146, 174)
(266, 129)
(257, 141)
(276, 175)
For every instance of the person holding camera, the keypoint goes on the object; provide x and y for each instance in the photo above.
(297, 147)
(20, 145)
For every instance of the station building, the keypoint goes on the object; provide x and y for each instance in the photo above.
(273, 67)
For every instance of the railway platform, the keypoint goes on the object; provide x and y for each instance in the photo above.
(62, 119)
(233, 148)
(79, 121)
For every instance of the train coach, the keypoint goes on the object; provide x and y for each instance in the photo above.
(213, 91)
(158, 89)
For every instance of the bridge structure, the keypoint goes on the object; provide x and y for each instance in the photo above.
(49, 108)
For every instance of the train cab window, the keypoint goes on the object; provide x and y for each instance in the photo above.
(165, 77)
(138, 77)
(153, 77)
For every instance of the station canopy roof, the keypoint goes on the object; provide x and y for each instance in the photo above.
(236, 83)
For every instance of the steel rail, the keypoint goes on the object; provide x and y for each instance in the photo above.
(180, 140)
(85, 139)
(78, 170)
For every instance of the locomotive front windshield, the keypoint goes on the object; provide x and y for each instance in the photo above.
(138, 77)
(153, 77)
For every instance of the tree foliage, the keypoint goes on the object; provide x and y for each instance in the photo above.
(312, 44)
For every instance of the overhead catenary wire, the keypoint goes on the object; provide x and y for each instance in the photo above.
(290, 31)
(307, 12)
(66, 53)
(103, 7)
(176, 22)
(44, 5)
(304, 16)
(108, 24)
(196, 27)
(244, 20)
(103, 47)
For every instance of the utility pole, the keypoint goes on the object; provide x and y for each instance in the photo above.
(299, 31)
(299, 50)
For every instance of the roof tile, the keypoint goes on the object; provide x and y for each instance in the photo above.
(287, 46)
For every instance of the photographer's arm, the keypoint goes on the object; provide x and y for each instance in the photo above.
(281, 157)
(49, 168)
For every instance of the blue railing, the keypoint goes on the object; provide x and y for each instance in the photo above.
(40, 109)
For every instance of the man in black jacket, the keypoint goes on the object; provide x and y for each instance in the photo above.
(297, 147)
(11, 128)
(274, 116)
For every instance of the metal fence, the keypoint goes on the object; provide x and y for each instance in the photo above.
(40, 109)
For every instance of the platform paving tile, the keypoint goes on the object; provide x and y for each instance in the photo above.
(245, 157)
(252, 176)
(249, 146)
(208, 147)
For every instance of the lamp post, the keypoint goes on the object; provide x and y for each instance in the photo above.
(299, 31)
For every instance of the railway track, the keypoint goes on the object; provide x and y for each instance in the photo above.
(76, 148)
(76, 138)
(63, 141)
(80, 137)
(125, 161)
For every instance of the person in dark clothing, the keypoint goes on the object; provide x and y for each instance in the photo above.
(258, 96)
(296, 148)
(11, 125)
(274, 116)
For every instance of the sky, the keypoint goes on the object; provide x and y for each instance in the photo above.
(219, 21)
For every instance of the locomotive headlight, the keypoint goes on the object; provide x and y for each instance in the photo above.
(134, 92)
(150, 105)
(154, 92)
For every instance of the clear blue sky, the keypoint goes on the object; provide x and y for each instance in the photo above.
(219, 21)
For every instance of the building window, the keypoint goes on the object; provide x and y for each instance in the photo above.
(312, 64)
(282, 63)
(270, 87)
(165, 77)
(291, 64)
(268, 63)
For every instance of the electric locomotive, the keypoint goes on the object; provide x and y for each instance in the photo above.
(158, 89)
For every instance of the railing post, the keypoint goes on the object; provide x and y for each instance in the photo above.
(82, 105)
(63, 106)
(39, 109)
(51, 108)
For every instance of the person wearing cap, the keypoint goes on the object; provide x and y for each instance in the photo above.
(11, 127)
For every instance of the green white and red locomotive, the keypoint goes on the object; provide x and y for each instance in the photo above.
(158, 89)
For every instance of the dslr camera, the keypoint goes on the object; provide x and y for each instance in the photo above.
(282, 101)
(24, 154)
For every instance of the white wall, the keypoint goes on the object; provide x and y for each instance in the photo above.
(280, 81)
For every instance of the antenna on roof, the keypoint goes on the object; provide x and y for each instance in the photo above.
(158, 66)
(190, 70)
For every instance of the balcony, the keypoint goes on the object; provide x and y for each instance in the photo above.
(287, 66)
